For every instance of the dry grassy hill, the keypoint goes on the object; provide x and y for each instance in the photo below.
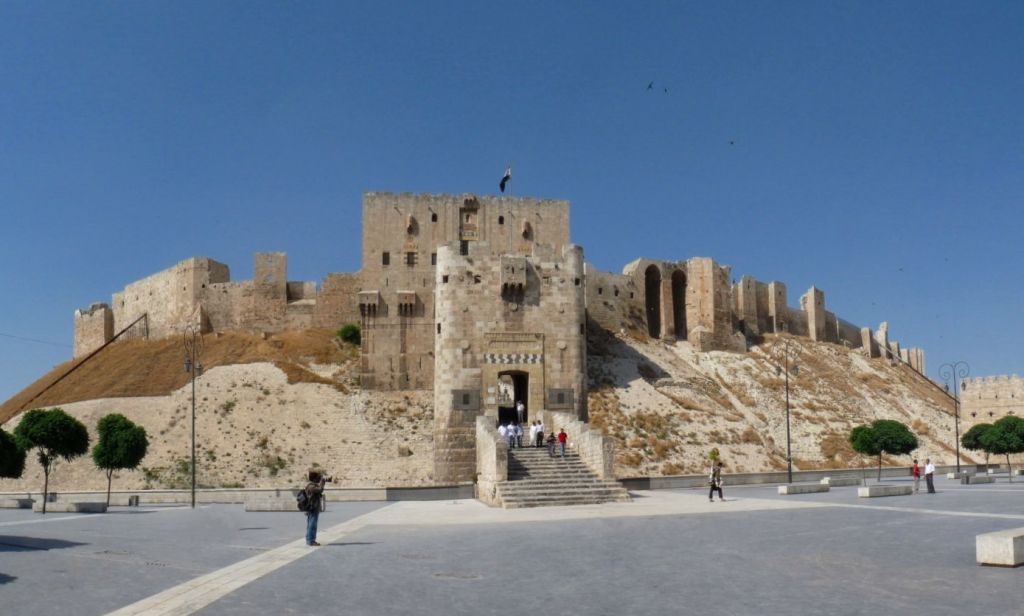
(268, 408)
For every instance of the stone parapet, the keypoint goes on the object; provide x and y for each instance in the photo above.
(491, 461)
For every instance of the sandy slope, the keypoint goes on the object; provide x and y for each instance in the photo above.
(667, 405)
(255, 429)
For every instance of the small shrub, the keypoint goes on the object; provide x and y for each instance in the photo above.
(350, 333)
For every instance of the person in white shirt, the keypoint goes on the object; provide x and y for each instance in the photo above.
(503, 431)
(540, 433)
(519, 436)
(929, 473)
(520, 411)
(533, 433)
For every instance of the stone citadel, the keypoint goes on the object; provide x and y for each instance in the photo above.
(483, 300)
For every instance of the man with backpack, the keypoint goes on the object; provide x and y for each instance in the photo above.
(311, 500)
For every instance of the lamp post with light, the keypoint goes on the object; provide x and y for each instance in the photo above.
(193, 349)
(795, 369)
(955, 372)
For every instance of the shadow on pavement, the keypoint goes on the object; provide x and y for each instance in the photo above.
(9, 543)
(352, 543)
(4, 578)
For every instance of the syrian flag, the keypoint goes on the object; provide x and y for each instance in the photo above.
(505, 178)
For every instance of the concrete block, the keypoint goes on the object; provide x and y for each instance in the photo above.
(1004, 548)
(15, 503)
(72, 507)
(803, 488)
(879, 489)
(1018, 472)
(960, 475)
(982, 479)
(836, 482)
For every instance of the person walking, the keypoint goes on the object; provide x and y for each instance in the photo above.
(519, 436)
(511, 435)
(929, 472)
(551, 445)
(540, 433)
(533, 434)
(915, 472)
(715, 481)
(562, 439)
(503, 431)
(520, 411)
(314, 495)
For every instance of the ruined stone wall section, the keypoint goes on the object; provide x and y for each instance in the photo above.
(614, 301)
(170, 298)
(989, 398)
(337, 303)
(94, 327)
(224, 304)
(813, 304)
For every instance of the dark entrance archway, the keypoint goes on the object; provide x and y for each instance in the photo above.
(679, 304)
(520, 392)
(652, 290)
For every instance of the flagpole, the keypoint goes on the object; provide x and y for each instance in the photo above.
(510, 223)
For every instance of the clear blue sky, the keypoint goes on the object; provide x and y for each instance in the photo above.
(877, 146)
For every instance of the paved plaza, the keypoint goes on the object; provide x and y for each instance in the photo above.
(667, 552)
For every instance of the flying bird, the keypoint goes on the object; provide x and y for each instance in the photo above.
(650, 86)
(666, 90)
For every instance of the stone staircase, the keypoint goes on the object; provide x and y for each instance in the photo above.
(537, 480)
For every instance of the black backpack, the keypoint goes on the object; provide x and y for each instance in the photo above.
(302, 500)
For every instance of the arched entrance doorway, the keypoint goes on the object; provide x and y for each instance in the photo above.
(652, 289)
(679, 304)
(513, 386)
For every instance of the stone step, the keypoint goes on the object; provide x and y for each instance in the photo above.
(608, 494)
(560, 501)
(550, 470)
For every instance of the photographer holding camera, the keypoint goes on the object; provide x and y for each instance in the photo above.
(315, 495)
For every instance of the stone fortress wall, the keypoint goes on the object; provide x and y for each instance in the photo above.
(392, 296)
(989, 398)
(483, 300)
(693, 300)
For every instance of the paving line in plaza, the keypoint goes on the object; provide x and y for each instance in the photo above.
(965, 514)
(196, 594)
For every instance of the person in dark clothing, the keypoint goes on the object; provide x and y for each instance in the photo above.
(315, 492)
(715, 480)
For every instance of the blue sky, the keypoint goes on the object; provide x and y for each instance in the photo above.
(872, 149)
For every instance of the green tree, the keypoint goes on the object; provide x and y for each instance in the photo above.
(881, 437)
(350, 333)
(121, 445)
(55, 434)
(12, 457)
(1006, 436)
(972, 439)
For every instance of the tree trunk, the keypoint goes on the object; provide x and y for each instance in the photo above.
(1009, 469)
(110, 475)
(879, 467)
(46, 484)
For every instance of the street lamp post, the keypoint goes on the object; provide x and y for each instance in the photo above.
(955, 372)
(193, 349)
(796, 371)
